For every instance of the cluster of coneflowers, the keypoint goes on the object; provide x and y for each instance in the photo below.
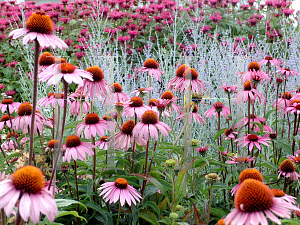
(27, 185)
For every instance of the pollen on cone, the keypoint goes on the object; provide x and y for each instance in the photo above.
(40, 22)
(128, 126)
(151, 63)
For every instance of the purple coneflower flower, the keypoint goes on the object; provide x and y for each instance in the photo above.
(135, 106)
(251, 140)
(75, 148)
(284, 101)
(67, 71)
(237, 160)
(287, 71)
(9, 104)
(119, 190)
(196, 117)
(124, 138)
(254, 202)
(23, 120)
(191, 79)
(45, 60)
(78, 99)
(217, 108)
(178, 80)
(229, 89)
(53, 98)
(249, 173)
(103, 143)
(5, 121)
(281, 195)
(249, 92)
(119, 95)
(92, 126)
(287, 169)
(149, 126)
(168, 95)
(269, 60)
(39, 26)
(294, 107)
(151, 66)
(96, 84)
(142, 91)
(27, 185)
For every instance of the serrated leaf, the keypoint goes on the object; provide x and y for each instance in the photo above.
(150, 190)
(153, 206)
(67, 202)
(219, 133)
(66, 213)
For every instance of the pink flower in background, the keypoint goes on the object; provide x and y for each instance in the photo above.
(168, 95)
(217, 108)
(178, 80)
(237, 160)
(39, 26)
(103, 143)
(10, 105)
(229, 89)
(78, 99)
(142, 91)
(194, 115)
(119, 190)
(284, 101)
(151, 66)
(251, 140)
(70, 73)
(287, 71)
(135, 106)
(269, 60)
(92, 126)
(216, 17)
(120, 96)
(192, 81)
(125, 137)
(256, 76)
(75, 149)
(294, 107)
(96, 84)
(149, 126)
(52, 98)
(2, 86)
(288, 169)
(249, 92)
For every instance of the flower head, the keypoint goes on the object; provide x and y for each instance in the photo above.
(134, 106)
(27, 185)
(251, 140)
(151, 66)
(149, 126)
(92, 126)
(119, 190)
(287, 169)
(253, 202)
(39, 26)
(75, 148)
(217, 108)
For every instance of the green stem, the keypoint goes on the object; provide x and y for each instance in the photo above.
(77, 191)
(119, 213)
(3, 218)
(210, 201)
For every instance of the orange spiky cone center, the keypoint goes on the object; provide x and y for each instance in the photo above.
(247, 86)
(46, 59)
(66, 67)
(252, 137)
(13, 134)
(254, 66)
(29, 179)
(287, 95)
(96, 72)
(7, 101)
(151, 64)
(128, 126)
(278, 193)
(25, 109)
(180, 70)
(167, 95)
(92, 118)
(103, 138)
(190, 73)
(287, 166)
(6, 118)
(53, 143)
(149, 117)
(117, 87)
(152, 101)
(253, 196)
(136, 102)
(73, 141)
(250, 173)
(121, 183)
(268, 58)
(40, 22)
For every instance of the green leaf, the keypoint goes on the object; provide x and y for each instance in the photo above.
(180, 184)
(67, 202)
(150, 190)
(219, 134)
(218, 212)
(148, 216)
(66, 213)
(269, 113)
(92, 205)
(153, 181)
(163, 205)
(153, 206)
(260, 127)
(284, 146)
(12, 156)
